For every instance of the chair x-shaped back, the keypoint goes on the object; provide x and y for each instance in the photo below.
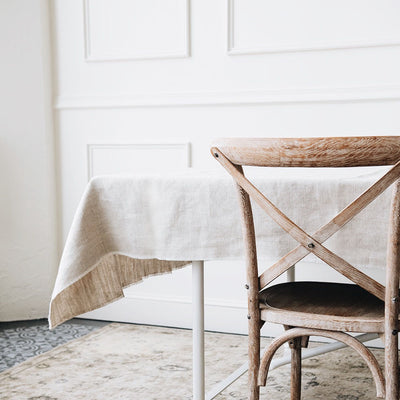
(313, 243)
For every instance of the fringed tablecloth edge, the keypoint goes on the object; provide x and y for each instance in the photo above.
(103, 284)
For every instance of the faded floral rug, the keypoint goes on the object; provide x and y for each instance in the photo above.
(134, 362)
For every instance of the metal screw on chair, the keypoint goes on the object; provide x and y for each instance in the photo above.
(248, 317)
(216, 155)
(246, 286)
(311, 245)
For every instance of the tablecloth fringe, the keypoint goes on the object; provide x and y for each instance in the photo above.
(104, 284)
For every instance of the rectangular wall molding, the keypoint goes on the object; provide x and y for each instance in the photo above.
(136, 157)
(320, 95)
(122, 30)
(233, 48)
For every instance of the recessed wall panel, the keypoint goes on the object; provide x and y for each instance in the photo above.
(263, 26)
(136, 29)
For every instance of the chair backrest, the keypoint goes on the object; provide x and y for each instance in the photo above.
(233, 153)
(311, 152)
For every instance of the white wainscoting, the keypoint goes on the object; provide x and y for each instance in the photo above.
(267, 26)
(136, 29)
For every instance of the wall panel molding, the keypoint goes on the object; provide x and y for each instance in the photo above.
(180, 153)
(284, 96)
(181, 51)
(233, 49)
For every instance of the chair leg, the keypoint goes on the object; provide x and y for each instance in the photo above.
(391, 367)
(295, 387)
(254, 359)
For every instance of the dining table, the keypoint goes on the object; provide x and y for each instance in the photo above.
(130, 227)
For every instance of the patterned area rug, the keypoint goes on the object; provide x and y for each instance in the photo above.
(22, 340)
(122, 361)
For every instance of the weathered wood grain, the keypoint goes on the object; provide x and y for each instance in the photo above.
(311, 152)
(364, 352)
(252, 287)
(392, 299)
(300, 235)
(327, 311)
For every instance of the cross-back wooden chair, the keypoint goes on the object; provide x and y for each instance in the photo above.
(317, 308)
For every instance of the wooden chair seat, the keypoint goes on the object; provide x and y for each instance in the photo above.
(323, 305)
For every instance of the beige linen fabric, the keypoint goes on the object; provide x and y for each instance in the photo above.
(128, 227)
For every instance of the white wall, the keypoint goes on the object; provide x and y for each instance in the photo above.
(28, 243)
(179, 71)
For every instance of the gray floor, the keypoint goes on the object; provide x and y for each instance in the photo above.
(24, 339)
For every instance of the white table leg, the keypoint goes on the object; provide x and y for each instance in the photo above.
(291, 274)
(290, 277)
(198, 329)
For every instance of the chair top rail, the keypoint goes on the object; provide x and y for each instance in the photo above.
(354, 151)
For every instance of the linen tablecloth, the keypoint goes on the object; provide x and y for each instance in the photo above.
(128, 227)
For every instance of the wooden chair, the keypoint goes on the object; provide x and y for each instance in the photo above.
(318, 308)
